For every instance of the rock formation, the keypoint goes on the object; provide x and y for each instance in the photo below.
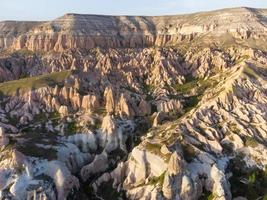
(126, 107)
(90, 31)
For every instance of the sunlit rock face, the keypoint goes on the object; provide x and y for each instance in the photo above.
(90, 31)
(110, 107)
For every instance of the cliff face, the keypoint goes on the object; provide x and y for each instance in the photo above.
(89, 31)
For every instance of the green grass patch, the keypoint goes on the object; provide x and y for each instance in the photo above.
(191, 102)
(188, 152)
(247, 182)
(243, 58)
(117, 153)
(41, 117)
(186, 87)
(228, 148)
(13, 120)
(250, 72)
(200, 86)
(38, 152)
(148, 88)
(191, 82)
(72, 128)
(32, 139)
(153, 148)
(96, 125)
(101, 111)
(251, 142)
(233, 128)
(206, 195)
(157, 180)
(54, 115)
(106, 191)
(26, 84)
(22, 53)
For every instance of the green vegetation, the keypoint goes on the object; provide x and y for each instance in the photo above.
(243, 58)
(101, 111)
(84, 192)
(157, 180)
(227, 148)
(13, 120)
(191, 102)
(206, 195)
(38, 144)
(188, 152)
(248, 182)
(185, 88)
(148, 90)
(72, 128)
(106, 191)
(115, 154)
(30, 149)
(22, 53)
(41, 117)
(130, 89)
(19, 169)
(54, 116)
(190, 83)
(205, 84)
(153, 148)
(198, 85)
(194, 83)
(96, 125)
(233, 127)
(154, 108)
(250, 72)
(249, 141)
(223, 42)
(6, 152)
(26, 84)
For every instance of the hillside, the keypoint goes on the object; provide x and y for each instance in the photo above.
(135, 107)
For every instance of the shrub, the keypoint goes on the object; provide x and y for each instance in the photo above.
(251, 142)
(188, 152)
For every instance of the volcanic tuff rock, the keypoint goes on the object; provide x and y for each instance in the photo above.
(124, 107)
(89, 31)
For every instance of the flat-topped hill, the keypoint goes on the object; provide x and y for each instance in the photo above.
(88, 31)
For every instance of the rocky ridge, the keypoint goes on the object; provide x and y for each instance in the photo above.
(177, 113)
(90, 31)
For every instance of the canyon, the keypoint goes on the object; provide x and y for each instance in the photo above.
(135, 107)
